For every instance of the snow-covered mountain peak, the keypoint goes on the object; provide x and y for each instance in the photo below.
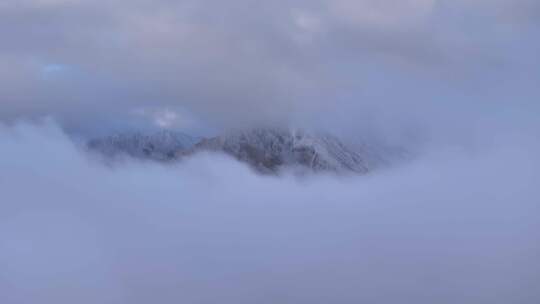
(270, 150)
(267, 150)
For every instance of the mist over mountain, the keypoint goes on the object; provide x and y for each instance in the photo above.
(269, 152)
(160, 146)
(456, 224)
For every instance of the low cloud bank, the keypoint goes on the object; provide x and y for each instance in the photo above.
(455, 226)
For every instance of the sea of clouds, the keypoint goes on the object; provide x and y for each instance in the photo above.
(456, 225)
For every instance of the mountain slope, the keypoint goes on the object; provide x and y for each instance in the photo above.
(267, 150)
(271, 150)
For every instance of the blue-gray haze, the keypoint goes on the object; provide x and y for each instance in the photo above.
(454, 82)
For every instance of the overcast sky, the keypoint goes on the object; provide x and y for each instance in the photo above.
(219, 64)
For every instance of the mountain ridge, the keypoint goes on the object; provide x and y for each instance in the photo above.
(266, 150)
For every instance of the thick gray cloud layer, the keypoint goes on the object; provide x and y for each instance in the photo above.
(456, 226)
(243, 61)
